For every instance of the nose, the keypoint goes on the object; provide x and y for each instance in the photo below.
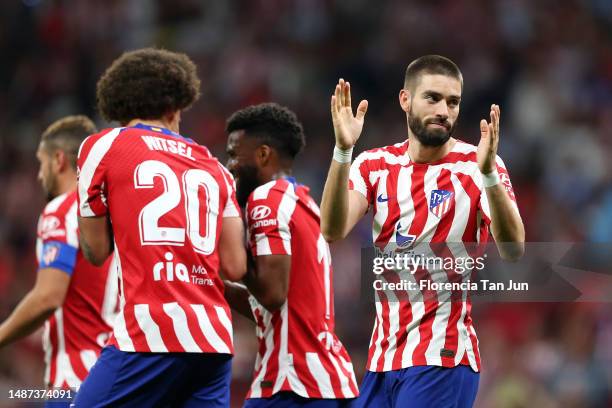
(442, 110)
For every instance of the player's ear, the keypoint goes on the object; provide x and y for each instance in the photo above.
(404, 99)
(59, 160)
(263, 154)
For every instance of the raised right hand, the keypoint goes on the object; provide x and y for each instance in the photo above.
(347, 128)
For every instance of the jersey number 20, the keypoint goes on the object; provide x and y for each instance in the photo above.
(148, 221)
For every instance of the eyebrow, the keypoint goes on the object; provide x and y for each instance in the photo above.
(438, 94)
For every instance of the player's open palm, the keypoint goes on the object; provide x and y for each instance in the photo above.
(347, 127)
(489, 140)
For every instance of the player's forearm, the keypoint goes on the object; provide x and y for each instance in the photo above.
(28, 316)
(335, 202)
(95, 238)
(265, 294)
(506, 224)
(237, 296)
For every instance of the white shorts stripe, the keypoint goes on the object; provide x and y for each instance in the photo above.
(181, 328)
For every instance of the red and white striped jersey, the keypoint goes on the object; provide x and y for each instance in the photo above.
(298, 348)
(77, 331)
(420, 205)
(166, 197)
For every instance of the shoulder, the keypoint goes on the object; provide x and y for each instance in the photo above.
(58, 218)
(380, 156)
(464, 151)
(99, 143)
(272, 190)
(61, 204)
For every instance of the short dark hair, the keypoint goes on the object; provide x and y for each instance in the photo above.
(432, 65)
(272, 124)
(67, 134)
(147, 84)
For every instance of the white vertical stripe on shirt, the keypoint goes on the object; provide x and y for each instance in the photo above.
(149, 328)
(417, 305)
(87, 171)
(261, 192)
(124, 341)
(284, 213)
(262, 245)
(379, 335)
(225, 321)
(342, 377)
(212, 337)
(256, 386)
(320, 375)
(382, 208)
(72, 238)
(181, 328)
(88, 358)
(283, 357)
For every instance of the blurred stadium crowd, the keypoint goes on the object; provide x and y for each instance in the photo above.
(548, 64)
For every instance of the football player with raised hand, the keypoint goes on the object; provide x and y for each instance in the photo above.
(427, 189)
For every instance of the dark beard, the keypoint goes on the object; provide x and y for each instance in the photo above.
(430, 137)
(247, 181)
(50, 188)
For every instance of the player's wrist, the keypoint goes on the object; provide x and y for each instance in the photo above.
(491, 179)
(343, 155)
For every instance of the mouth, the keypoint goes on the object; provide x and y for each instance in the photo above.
(438, 125)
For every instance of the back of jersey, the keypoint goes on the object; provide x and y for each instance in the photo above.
(166, 197)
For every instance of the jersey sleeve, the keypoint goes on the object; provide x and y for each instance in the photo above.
(504, 177)
(60, 243)
(231, 207)
(359, 177)
(268, 221)
(91, 173)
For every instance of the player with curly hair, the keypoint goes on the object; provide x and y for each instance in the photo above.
(168, 207)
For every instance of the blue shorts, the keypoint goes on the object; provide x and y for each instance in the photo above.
(285, 399)
(420, 387)
(122, 379)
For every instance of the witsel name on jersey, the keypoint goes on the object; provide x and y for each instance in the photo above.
(170, 146)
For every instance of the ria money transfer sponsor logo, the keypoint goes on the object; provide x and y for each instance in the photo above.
(171, 271)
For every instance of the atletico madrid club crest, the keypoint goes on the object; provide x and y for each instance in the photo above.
(440, 202)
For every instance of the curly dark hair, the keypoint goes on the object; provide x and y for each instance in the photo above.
(273, 124)
(147, 84)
